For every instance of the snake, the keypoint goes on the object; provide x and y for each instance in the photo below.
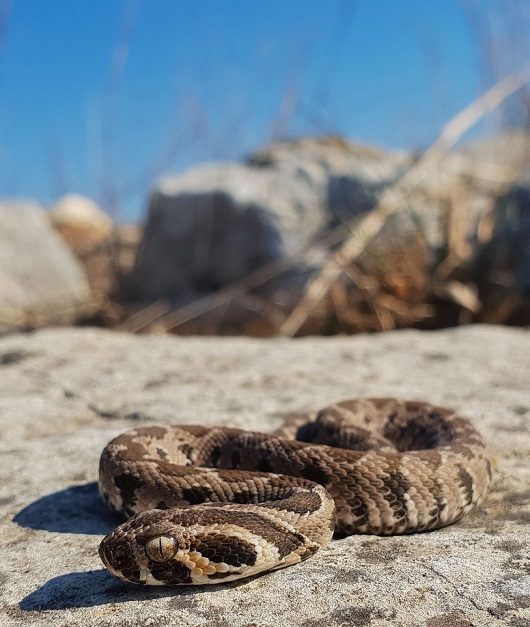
(209, 505)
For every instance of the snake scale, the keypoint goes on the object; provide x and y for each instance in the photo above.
(210, 505)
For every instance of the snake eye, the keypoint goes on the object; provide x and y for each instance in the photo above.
(161, 548)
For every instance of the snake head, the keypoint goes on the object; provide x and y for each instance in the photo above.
(205, 545)
(154, 548)
(140, 551)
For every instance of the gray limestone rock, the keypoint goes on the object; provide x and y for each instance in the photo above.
(40, 279)
(217, 223)
(354, 175)
(65, 393)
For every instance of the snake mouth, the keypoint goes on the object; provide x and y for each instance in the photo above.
(103, 551)
(105, 555)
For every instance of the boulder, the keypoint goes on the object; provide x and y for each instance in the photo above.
(215, 224)
(64, 393)
(40, 280)
(354, 175)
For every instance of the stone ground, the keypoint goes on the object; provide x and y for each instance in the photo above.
(65, 393)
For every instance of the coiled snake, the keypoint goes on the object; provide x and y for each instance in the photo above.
(210, 505)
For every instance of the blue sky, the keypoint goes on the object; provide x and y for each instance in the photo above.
(99, 96)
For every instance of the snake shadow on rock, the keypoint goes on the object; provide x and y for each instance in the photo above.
(99, 587)
(78, 509)
(89, 589)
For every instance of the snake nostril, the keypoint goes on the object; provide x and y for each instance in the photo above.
(113, 554)
(120, 552)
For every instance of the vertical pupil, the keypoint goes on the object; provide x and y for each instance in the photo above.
(161, 548)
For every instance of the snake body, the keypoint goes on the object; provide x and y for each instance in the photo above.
(210, 505)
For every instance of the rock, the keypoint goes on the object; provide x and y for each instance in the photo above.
(80, 222)
(40, 280)
(509, 248)
(217, 223)
(354, 175)
(65, 392)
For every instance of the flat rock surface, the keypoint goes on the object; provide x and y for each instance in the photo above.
(65, 393)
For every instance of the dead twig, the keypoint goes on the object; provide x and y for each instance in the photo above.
(144, 317)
